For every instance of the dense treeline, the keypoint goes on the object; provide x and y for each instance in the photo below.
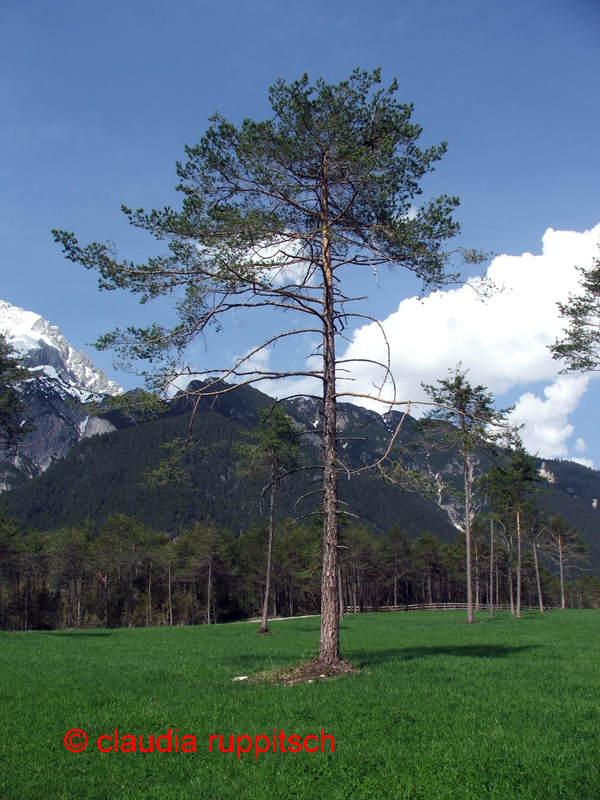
(122, 573)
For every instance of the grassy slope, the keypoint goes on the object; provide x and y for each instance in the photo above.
(503, 709)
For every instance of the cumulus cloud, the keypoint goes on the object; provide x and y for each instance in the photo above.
(503, 342)
(546, 421)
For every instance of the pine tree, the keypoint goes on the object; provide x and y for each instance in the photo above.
(513, 484)
(274, 214)
(580, 347)
(463, 419)
(276, 454)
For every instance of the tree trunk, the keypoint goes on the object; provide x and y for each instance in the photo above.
(537, 577)
(518, 564)
(562, 576)
(329, 643)
(510, 585)
(497, 587)
(491, 592)
(468, 535)
(429, 596)
(79, 596)
(208, 591)
(149, 611)
(477, 587)
(106, 600)
(265, 613)
(26, 603)
(170, 601)
(340, 592)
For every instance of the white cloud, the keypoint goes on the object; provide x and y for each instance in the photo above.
(580, 446)
(585, 462)
(546, 421)
(503, 342)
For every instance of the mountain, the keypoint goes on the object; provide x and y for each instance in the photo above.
(62, 377)
(66, 473)
(105, 474)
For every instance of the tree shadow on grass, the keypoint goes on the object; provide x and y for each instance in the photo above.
(466, 651)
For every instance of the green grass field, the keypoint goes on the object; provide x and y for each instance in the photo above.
(501, 709)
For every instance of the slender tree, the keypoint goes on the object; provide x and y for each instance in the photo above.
(463, 419)
(276, 453)
(514, 483)
(565, 546)
(274, 213)
(537, 530)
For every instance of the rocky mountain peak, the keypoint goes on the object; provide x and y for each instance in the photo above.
(61, 378)
(42, 346)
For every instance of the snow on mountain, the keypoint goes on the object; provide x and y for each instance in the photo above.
(43, 345)
(61, 377)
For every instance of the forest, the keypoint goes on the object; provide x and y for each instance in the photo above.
(124, 574)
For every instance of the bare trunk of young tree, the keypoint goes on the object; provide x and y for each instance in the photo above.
(104, 581)
(329, 644)
(106, 601)
(26, 604)
(562, 576)
(518, 564)
(429, 595)
(477, 586)
(497, 587)
(468, 537)
(170, 601)
(149, 611)
(208, 591)
(265, 613)
(79, 596)
(510, 585)
(340, 592)
(537, 577)
(491, 592)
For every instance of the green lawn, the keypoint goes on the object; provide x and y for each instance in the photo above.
(501, 709)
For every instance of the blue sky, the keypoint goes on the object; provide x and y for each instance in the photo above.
(98, 100)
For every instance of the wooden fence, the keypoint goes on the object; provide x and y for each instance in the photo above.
(428, 607)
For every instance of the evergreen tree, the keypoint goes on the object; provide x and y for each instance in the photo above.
(274, 213)
(580, 347)
(513, 483)
(277, 454)
(565, 546)
(463, 419)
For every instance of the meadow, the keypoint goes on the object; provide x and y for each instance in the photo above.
(501, 709)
